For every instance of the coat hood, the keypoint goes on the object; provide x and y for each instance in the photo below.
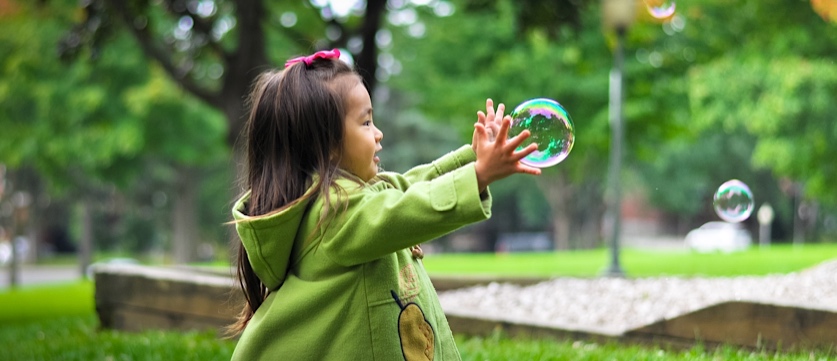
(269, 240)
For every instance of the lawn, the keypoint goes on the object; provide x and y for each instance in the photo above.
(78, 338)
(636, 263)
(58, 322)
(45, 302)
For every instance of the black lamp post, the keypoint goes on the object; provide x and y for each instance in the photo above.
(618, 16)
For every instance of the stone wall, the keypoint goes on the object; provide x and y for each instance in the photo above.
(133, 298)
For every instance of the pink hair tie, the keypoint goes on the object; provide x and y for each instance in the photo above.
(324, 54)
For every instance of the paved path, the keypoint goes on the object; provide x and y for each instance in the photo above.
(34, 275)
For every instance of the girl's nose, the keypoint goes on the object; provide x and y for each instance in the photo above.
(378, 135)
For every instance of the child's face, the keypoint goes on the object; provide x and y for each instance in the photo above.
(361, 139)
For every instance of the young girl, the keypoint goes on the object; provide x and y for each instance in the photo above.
(329, 260)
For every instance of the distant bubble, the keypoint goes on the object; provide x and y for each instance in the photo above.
(551, 128)
(733, 201)
(661, 9)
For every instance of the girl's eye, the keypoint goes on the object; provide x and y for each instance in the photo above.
(367, 123)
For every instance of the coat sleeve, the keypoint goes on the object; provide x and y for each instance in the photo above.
(380, 221)
(447, 163)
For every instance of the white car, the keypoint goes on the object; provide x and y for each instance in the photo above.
(719, 236)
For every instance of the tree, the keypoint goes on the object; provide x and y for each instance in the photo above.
(787, 105)
(494, 51)
(720, 95)
(90, 127)
(214, 49)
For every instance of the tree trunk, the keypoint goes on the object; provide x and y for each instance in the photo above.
(558, 194)
(85, 242)
(367, 63)
(589, 210)
(184, 218)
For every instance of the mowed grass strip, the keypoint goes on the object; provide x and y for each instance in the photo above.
(45, 301)
(776, 259)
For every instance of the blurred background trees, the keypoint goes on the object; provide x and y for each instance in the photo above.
(121, 118)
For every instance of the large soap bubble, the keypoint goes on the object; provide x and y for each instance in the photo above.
(551, 128)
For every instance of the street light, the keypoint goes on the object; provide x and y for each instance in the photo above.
(618, 15)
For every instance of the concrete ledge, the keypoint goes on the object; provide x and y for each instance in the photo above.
(133, 298)
(748, 324)
(483, 326)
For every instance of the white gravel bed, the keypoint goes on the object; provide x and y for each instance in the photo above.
(616, 305)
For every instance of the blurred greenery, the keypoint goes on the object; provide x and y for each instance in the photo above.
(123, 128)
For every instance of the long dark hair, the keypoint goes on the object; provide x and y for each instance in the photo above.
(294, 132)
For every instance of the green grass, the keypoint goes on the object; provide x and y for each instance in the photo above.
(40, 302)
(78, 338)
(635, 263)
(500, 347)
(57, 322)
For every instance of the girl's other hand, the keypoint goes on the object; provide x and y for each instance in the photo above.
(490, 119)
(497, 158)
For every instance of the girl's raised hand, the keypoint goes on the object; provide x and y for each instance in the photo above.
(490, 119)
(496, 157)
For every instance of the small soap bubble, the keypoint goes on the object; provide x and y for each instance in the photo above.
(733, 201)
(551, 128)
(660, 9)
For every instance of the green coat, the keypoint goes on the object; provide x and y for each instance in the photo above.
(353, 291)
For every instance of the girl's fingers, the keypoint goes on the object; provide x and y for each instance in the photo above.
(503, 133)
(528, 170)
(525, 151)
(516, 141)
(500, 109)
(481, 117)
(480, 129)
(489, 109)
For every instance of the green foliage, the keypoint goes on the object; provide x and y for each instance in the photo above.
(480, 53)
(93, 120)
(704, 103)
(61, 118)
(176, 127)
(787, 104)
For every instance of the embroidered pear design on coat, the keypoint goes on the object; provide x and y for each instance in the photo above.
(415, 332)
